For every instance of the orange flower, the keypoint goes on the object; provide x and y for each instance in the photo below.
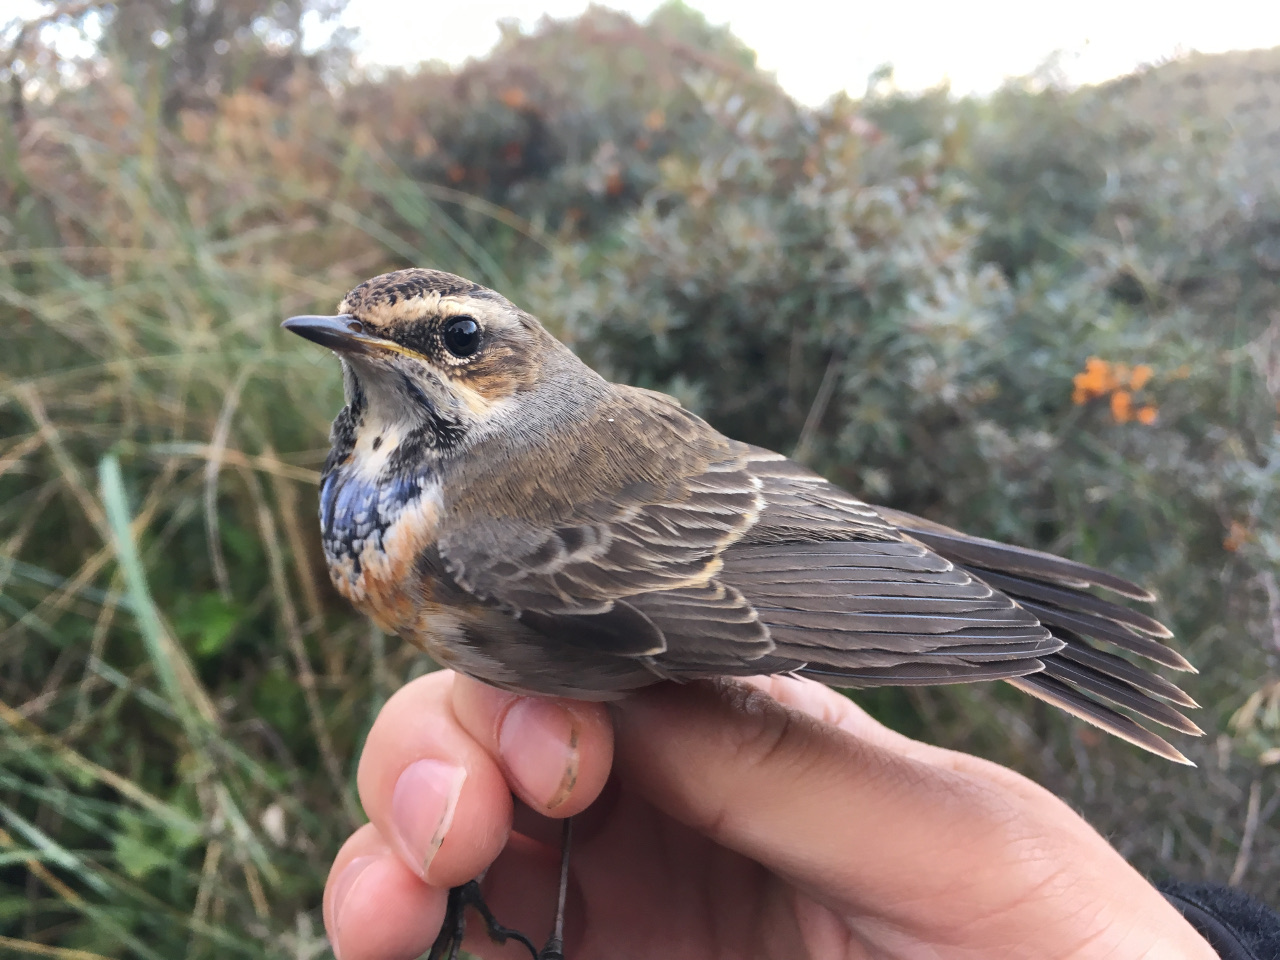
(1097, 380)
(1140, 376)
(1236, 537)
(1100, 378)
(1122, 406)
(513, 97)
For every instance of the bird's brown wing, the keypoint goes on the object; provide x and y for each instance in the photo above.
(645, 506)
(741, 561)
(844, 595)
(620, 548)
(642, 537)
(790, 580)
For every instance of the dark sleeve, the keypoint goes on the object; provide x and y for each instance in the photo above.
(1236, 925)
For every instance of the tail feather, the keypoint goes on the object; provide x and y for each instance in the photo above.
(1092, 684)
(1063, 697)
(1119, 692)
(1113, 666)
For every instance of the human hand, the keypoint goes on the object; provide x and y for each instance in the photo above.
(769, 819)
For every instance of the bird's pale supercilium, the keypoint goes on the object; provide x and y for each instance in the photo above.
(493, 500)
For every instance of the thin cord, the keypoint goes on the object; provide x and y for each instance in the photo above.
(565, 841)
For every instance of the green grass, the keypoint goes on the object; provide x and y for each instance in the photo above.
(182, 699)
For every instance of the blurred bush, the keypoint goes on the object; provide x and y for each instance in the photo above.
(1046, 315)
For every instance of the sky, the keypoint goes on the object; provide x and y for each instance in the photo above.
(818, 48)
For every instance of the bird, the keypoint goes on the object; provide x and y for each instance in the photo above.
(496, 502)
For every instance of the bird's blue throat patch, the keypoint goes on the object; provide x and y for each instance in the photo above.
(356, 511)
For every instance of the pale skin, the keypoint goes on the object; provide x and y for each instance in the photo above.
(763, 819)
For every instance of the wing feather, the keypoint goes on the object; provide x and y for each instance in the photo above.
(644, 538)
(729, 559)
(1079, 651)
(1078, 601)
(646, 553)
(1119, 692)
(1080, 678)
(1101, 628)
(1035, 565)
(711, 624)
(939, 606)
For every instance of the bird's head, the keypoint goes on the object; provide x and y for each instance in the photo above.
(436, 361)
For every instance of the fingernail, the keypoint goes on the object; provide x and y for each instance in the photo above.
(422, 808)
(539, 744)
(341, 888)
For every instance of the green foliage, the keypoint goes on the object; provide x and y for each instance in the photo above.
(565, 129)
(905, 291)
(778, 270)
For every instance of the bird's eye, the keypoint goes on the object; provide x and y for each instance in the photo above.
(462, 336)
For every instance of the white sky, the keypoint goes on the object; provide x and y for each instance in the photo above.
(817, 48)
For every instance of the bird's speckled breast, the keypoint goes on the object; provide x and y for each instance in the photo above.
(374, 530)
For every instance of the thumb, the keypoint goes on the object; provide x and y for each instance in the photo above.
(806, 799)
(926, 839)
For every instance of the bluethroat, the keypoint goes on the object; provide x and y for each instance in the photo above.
(497, 503)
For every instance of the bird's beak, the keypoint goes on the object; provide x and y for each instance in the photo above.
(343, 333)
